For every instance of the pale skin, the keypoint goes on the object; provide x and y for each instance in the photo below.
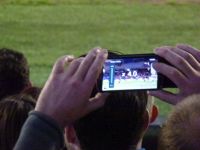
(66, 94)
(185, 72)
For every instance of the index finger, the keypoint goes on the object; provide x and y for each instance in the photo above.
(188, 57)
(175, 59)
(86, 63)
(172, 73)
(96, 67)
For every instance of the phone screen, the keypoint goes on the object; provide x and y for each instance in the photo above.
(129, 73)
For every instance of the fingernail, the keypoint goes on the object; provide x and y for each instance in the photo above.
(98, 50)
(105, 51)
(69, 58)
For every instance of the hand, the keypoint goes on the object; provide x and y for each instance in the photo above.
(66, 94)
(185, 72)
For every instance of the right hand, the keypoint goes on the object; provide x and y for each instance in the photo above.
(66, 94)
(185, 72)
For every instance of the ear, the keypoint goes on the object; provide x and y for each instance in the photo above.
(70, 135)
(146, 120)
(154, 113)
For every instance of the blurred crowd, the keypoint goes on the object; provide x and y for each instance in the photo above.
(70, 112)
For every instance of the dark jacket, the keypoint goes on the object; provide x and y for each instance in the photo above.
(40, 132)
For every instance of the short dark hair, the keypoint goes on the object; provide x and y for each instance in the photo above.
(14, 72)
(117, 125)
(13, 113)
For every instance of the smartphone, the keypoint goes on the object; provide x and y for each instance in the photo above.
(132, 72)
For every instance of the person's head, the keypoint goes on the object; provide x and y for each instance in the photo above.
(13, 113)
(14, 72)
(182, 129)
(119, 124)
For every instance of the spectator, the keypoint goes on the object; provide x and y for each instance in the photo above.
(14, 72)
(184, 71)
(182, 129)
(13, 113)
(119, 124)
(64, 99)
(66, 96)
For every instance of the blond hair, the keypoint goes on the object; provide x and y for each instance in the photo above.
(182, 129)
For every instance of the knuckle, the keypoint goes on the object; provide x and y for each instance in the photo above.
(165, 51)
(173, 73)
(187, 56)
(180, 61)
(195, 77)
(75, 83)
